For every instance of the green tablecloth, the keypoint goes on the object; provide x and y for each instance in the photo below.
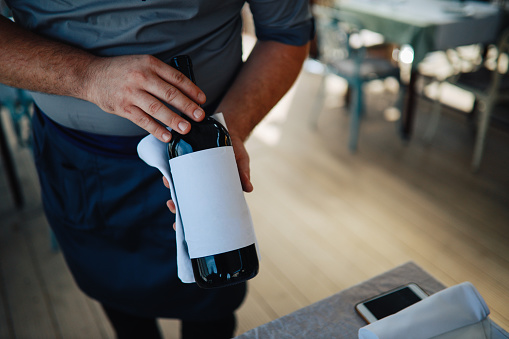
(426, 25)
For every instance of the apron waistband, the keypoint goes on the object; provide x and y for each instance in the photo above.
(106, 145)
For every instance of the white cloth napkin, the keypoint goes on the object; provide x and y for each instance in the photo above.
(456, 312)
(217, 219)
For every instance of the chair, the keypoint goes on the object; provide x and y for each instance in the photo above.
(489, 83)
(343, 52)
(16, 103)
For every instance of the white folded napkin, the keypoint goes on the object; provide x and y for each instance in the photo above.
(212, 214)
(456, 312)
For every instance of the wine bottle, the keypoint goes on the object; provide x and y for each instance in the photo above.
(222, 269)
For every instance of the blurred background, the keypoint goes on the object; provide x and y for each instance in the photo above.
(327, 215)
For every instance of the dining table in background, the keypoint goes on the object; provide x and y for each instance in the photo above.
(427, 26)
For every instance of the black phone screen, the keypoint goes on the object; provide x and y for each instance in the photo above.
(392, 302)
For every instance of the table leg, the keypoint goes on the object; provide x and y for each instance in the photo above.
(407, 116)
(8, 161)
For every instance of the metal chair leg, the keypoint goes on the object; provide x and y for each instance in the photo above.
(482, 130)
(436, 113)
(356, 115)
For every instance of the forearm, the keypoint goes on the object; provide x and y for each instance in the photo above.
(269, 72)
(33, 62)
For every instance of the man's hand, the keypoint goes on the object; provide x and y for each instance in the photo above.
(135, 87)
(242, 158)
(170, 203)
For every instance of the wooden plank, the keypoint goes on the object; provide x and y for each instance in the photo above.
(27, 300)
(289, 258)
(253, 312)
(170, 328)
(431, 224)
(439, 175)
(6, 327)
(68, 303)
(278, 299)
(324, 254)
(332, 223)
(100, 318)
(470, 211)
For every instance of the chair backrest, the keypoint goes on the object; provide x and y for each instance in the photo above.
(338, 35)
(503, 50)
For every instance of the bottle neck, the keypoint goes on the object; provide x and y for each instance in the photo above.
(184, 65)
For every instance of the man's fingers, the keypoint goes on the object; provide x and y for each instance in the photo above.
(244, 171)
(140, 88)
(145, 121)
(155, 109)
(174, 96)
(171, 206)
(247, 186)
(242, 159)
(169, 203)
(171, 76)
(165, 182)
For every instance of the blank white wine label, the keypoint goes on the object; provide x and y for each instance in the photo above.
(212, 206)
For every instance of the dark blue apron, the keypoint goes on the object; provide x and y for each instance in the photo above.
(108, 211)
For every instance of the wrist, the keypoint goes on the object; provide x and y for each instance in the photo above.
(90, 78)
(235, 135)
(238, 125)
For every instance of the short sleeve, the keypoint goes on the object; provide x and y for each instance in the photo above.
(4, 9)
(286, 21)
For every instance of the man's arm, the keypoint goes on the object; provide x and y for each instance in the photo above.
(128, 86)
(268, 73)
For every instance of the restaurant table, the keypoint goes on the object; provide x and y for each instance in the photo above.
(426, 25)
(335, 316)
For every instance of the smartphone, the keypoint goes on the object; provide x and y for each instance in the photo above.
(390, 302)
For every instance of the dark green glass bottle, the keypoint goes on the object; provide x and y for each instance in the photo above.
(222, 269)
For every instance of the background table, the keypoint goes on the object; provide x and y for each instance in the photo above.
(335, 317)
(426, 25)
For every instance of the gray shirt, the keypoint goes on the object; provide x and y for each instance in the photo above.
(208, 31)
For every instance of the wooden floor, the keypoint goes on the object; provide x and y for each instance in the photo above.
(325, 219)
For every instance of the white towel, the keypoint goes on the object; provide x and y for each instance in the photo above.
(456, 312)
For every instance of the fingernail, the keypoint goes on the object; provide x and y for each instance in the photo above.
(201, 97)
(198, 113)
(166, 137)
(183, 126)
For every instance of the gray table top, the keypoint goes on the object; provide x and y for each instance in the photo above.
(335, 316)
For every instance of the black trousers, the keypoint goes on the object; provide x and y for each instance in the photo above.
(127, 326)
